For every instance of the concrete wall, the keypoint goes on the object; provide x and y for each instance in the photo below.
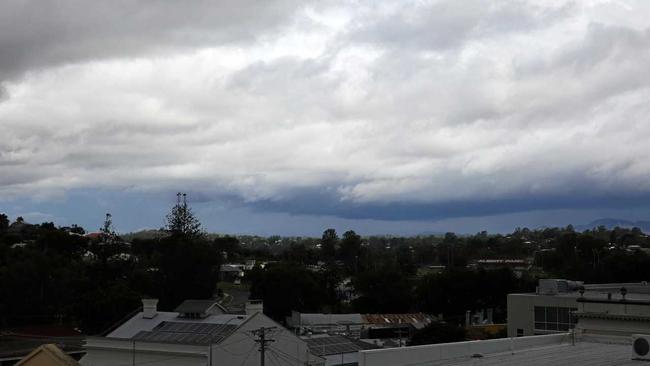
(430, 353)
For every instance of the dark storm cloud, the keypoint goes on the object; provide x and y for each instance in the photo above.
(395, 111)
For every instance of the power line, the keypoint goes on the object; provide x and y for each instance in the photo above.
(250, 352)
(263, 341)
(286, 355)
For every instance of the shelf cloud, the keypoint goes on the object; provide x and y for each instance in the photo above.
(413, 110)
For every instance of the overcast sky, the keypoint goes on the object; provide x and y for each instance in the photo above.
(293, 116)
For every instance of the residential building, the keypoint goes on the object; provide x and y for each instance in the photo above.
(17, 342)
(200, 334)
(47, 355)
(369, 326)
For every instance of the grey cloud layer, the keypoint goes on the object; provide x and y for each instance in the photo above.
(420, 103)
(42, 33)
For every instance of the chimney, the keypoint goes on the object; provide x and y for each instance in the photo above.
(254, 306)
(149, 308)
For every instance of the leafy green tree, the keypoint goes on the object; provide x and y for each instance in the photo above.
(383, 289)
(187, 269)
(350, 251)
(438, 332)
(4, 223)
(329, 243)
(286, 287)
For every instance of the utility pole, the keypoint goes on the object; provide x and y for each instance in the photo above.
(399, 332)
(262, 340)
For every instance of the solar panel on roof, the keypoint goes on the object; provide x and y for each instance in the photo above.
(186, 333)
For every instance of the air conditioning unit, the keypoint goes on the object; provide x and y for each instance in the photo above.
(641, 346)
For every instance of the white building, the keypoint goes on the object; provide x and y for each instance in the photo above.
(203, 336)
(558, 304)
(552, 349)
(337, 350)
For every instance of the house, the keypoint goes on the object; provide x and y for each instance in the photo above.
(371, 326)
(47, 355)
(231, 272)
(18, 342)
(198, 333)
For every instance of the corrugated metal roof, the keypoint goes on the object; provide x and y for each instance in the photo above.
(335, 345)
(415, 318)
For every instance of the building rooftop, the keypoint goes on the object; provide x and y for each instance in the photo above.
(196, 306)
(395, 319)
(138, 323)
(556, 349)
(335, 345)
(186, 333)
(333, 319)
(582, 353)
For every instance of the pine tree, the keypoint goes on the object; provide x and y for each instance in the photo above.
(181, 220)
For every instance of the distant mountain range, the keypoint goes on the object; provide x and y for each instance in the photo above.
(612, 223)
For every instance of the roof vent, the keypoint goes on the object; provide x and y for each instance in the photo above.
(149, 308)
(641, 347)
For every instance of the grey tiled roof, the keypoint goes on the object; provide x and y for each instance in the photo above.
(194, 306)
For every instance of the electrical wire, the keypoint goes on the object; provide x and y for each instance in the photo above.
(250, 352)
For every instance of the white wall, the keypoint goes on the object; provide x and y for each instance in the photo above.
(117, 352)
(345, 358)
(241, 348)
(429, 353)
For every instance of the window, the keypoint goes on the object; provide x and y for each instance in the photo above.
(551, 318)
(520, 332)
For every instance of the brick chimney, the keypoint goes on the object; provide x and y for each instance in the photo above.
(254, 306)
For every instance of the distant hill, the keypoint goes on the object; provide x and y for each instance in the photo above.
(612, 223)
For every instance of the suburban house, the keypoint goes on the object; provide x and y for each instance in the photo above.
(47, 355)
(198, 333)
(360, 326)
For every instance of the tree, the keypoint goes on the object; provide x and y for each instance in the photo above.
(383, 290)
(181, 220)
(350, 250)
(4, 223)
(286, 287)
(438, 332)
(328, 244)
